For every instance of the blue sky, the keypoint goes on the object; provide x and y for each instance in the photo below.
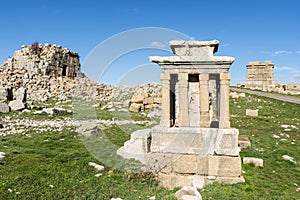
(254, 30)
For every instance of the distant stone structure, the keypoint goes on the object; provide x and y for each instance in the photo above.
(260, 75)
(194, 144)
(41, 70)
(50, 60)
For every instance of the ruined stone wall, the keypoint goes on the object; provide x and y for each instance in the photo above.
(50, 60)
(260, 75)
(45, 71)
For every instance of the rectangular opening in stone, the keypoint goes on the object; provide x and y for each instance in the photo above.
(193, 77)
(214, 95)
(173, 99)
(64, 70)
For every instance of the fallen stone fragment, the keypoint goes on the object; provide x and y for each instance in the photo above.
(243, 141)
(4, 108)
(16, 105)
(116, 198)
(288, 158)
(2, 155)
(276, 136)
(88, 129)
(252, 113)
(96, 166)
(98, 175)
(135, 107)
(256, 161)
(188, 193)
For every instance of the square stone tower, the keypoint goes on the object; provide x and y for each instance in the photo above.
(194, 143)
(260, 75)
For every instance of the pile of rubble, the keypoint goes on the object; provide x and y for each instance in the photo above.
(38, 72)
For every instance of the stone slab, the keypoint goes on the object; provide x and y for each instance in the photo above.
(174, 180)
(199, 141)
(137, 147)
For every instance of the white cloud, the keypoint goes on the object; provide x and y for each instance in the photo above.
(282, 52)
(298, 52)
(158, 44)
(284, 68)
(225, 45)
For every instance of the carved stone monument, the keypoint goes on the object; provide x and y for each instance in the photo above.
(193, 144)
(260, 75)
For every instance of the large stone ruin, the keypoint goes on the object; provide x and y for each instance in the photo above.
(260, 75)
(45, 71)
(194, 143)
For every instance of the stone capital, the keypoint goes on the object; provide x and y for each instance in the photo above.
(165, 76)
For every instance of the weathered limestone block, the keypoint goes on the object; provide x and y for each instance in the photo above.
(20, 94)
(252, 113)
(88, 129)
(157, 100)
(227, 142)
(244, 142)
(135, 107)
(158, 162)
(173, 180)
(137, 147)
(224, 166)
(256, 161)
(199, 141)
(3, 94)
(188, 193)
(138, 98)
(148, 100)
(183, 140)
(4, 108)
(16, 105)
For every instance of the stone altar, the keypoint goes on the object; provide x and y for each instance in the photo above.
(194, 144)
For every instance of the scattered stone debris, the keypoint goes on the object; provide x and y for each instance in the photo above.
(252, 113)
(152, 198)
(236, 95)
(188, 193)
(116, 198)
(96, 166)
(243, 141)
(256, 161)
(276, 136)
(98, 175)
(2, 155)
(88, 129)
(289, 158)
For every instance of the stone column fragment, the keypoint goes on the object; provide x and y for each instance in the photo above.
(204, 101)
(165, 104)
(224, 101)
(183, 115)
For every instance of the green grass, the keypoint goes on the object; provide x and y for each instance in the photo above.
(60, 159)
(36, 160)
(278, 179)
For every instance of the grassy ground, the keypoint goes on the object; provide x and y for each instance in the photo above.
(54, 165)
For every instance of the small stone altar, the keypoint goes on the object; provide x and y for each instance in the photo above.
(194, 143)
